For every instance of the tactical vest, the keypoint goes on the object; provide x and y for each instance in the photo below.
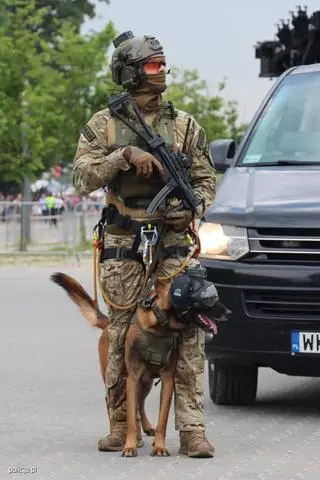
(137, 192)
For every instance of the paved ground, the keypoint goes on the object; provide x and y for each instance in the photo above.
(52, 403)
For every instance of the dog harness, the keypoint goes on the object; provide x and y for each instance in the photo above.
(159, 350)
(160, 344)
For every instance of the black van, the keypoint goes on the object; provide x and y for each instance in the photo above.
(260, 242)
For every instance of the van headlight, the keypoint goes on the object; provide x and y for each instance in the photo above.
(223, 242)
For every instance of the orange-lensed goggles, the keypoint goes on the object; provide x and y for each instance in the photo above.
(154, 66)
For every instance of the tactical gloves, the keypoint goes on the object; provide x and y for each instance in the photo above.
(178, 219)
(143, 161)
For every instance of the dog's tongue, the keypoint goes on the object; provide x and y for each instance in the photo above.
(208, 323)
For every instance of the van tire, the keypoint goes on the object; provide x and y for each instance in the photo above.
(232, 384)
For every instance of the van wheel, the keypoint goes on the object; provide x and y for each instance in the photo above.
(232, 384)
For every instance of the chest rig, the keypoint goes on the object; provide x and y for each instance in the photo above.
(137, 192)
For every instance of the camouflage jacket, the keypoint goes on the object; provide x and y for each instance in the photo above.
(95, 165)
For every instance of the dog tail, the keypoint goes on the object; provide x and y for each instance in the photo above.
(82, 299)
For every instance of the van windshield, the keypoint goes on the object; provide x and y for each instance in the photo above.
(288, 130)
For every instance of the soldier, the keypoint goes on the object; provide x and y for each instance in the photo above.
(109, 153)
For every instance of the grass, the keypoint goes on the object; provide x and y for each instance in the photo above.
(62, 247)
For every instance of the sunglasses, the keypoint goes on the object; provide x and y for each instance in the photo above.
(154, 66)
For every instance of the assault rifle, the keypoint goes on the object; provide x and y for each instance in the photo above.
(176, 165)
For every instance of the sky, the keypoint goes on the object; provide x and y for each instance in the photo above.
(215, 37)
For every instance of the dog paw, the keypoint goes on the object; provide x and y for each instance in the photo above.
(159, 452)
(150, 431)
(129, 452)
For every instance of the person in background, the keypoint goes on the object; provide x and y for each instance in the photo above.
(51, 204)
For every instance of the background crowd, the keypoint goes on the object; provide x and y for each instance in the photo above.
(45, 203)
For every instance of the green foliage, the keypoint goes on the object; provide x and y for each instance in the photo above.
(53, 79)
(55, 11)
(218, 117)
(47, 93)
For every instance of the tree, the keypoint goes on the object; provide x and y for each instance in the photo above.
(218, 117)
(49, 89)
(55, 12)
(71, 11)
(46, 93)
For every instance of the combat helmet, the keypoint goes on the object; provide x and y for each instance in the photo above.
(128, 57)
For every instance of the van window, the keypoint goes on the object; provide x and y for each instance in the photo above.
(289, 126)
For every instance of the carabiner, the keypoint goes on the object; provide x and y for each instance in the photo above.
(146, 233)
(149, 237)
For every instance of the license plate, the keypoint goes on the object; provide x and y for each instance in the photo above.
(305, 342)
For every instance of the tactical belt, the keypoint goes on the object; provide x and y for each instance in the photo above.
(120, 253)
(111, 216)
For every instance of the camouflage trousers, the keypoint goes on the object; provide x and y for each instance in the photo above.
(122, 281)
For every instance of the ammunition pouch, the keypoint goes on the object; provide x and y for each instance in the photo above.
(159, 350)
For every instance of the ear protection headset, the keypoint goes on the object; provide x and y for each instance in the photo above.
(132, 76)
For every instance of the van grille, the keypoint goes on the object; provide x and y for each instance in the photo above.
(287, 305)
(286, 243)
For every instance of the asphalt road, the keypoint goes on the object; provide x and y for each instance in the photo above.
(52, 409)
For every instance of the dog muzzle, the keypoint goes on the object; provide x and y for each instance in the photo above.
(195, 300)
(192, 290)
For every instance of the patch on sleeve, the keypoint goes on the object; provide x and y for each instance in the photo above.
(88, 133)
(201, 143)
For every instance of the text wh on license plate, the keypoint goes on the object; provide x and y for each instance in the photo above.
(305, 342)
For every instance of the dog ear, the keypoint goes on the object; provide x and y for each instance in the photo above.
(145, 318)
(163, 297)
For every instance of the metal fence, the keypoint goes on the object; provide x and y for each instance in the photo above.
(25, 228)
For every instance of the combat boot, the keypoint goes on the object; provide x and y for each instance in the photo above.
(114, 442)
(195, 444)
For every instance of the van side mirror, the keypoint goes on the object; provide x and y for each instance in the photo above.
(221, 153)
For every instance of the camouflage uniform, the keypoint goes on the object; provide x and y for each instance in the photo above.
(101, 160)
(94, 167)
